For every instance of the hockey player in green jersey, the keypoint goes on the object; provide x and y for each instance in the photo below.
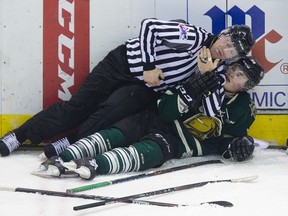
(163, 56)
(183, 128)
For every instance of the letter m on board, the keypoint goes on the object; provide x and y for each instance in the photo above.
(238, 16)
(257, 17)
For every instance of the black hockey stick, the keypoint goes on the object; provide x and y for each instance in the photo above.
(161, 191)
(277, 147)
(139, 176)
(92, 197)
(266, 145)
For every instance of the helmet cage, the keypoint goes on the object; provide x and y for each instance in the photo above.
(252, 70)
(241, 37)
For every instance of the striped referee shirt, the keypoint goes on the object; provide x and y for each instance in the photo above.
(212, 104)
(168, 45)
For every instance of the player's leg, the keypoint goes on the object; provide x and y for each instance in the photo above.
(121, 134)
(152, 151)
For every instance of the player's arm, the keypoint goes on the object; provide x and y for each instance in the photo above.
(234, 142)
(174, 103)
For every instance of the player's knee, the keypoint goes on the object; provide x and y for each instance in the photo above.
(150, 154)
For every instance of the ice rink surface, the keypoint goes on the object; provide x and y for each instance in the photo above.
(265, 196)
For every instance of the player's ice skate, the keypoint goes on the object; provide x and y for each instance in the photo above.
(53, 167)
(85, 167)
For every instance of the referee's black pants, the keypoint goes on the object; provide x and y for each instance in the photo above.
(93, 106)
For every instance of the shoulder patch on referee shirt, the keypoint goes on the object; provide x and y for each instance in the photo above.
(183, 31)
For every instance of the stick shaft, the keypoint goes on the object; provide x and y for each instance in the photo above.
(162, 191)
(92, 197)
(146, 194)
(277, 147)
(140, 176)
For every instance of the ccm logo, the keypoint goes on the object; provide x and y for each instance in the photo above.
(65, 48)
(66, 41)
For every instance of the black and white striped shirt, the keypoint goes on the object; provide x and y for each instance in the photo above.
(168, 45)
(212, 104)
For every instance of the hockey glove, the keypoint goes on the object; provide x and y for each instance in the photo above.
(240, 149)
(198, 87)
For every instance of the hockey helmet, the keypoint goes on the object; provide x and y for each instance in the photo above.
(241, 37)
(253, 70)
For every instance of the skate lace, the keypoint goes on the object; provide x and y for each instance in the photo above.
(61, 145)
(11, 141)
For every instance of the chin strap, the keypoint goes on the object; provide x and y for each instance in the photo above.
(230, 94)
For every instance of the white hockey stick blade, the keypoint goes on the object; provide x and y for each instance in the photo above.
(245, 179)
(260, 143)
(7, 189)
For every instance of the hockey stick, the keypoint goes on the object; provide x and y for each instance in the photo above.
(139, 176)
(92, 197)
(161, 191)
(266, 145)
(277, 147)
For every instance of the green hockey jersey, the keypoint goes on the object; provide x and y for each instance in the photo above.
(202, 135)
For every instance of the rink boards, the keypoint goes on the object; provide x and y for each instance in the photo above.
(49, 47)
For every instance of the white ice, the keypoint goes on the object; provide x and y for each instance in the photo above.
(265, 196)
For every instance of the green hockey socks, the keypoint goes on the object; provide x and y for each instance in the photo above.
(139, 156)
(94, 144)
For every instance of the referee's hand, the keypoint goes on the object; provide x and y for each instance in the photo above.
(153, 77)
